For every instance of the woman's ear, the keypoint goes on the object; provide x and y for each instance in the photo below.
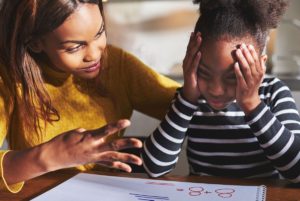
(35, 46)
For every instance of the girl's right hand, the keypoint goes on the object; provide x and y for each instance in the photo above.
(190, 65)
(80, 146)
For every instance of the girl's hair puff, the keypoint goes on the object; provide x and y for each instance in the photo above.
(239, 18)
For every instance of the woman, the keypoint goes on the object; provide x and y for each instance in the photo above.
(61, 84)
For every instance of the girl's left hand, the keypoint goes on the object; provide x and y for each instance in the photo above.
(249, 70)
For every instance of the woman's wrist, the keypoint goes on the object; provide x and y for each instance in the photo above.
(46, 160)
(23, 165)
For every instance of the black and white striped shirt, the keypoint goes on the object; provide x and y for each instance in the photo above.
(265, 143)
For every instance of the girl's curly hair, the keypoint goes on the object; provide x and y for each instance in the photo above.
(239, 18)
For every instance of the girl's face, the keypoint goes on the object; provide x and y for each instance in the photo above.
(216, 76)
(77, 45)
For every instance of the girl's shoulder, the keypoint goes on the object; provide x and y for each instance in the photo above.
(272, 87)
(271, 81)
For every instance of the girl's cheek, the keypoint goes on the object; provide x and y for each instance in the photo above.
(202, 85)
(232, 92)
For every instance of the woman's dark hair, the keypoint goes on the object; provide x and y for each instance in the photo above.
(22, 21)
(239, 18)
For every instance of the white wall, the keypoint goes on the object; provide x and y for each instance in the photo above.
(286, 56)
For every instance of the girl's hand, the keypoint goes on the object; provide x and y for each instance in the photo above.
(80, 146)
(190, 65)
(249, 70)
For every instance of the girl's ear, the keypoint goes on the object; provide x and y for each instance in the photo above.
(263, 61)
(264, 58)
(35, 46)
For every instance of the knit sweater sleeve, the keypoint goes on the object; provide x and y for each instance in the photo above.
(5, 113)
(162, 147)
(276, 124)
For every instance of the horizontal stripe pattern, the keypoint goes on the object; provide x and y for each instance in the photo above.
(265, 143)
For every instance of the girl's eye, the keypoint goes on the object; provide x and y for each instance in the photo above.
(231, 79)
(202, 74)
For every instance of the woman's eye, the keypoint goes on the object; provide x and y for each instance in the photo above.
(73, 49)
(100, 32)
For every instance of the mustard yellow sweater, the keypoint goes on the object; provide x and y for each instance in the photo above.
(126, 84)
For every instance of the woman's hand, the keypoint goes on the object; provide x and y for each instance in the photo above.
(190, 65)
(80, 146)
(249, 70)
(73, 148)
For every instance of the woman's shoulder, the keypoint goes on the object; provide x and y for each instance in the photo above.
(116, 54)
(118, 59)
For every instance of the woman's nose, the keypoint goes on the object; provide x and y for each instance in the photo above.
(92, 53)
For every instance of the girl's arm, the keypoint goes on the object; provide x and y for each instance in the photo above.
(277, 124)
(162, 148)
(277, 128)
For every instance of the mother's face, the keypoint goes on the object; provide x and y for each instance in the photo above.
(77, 45)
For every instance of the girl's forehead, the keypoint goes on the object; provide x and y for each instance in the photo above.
(218, 56)
(231, 41)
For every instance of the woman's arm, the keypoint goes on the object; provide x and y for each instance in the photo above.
(73, 148)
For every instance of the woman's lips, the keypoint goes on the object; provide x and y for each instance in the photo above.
(91, 68)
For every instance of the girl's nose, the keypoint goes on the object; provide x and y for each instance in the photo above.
(216, 89)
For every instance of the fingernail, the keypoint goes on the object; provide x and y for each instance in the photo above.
(243, 46)
(139, 162)
(81, 130)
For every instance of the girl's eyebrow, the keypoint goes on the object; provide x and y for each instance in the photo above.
(82, 42)
(206, 67)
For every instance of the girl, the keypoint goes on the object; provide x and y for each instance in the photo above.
(238, 122)
(57, 75)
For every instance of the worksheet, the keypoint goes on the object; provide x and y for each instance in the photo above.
(92, 187)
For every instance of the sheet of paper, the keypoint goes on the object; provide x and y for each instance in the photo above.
(92, 187)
